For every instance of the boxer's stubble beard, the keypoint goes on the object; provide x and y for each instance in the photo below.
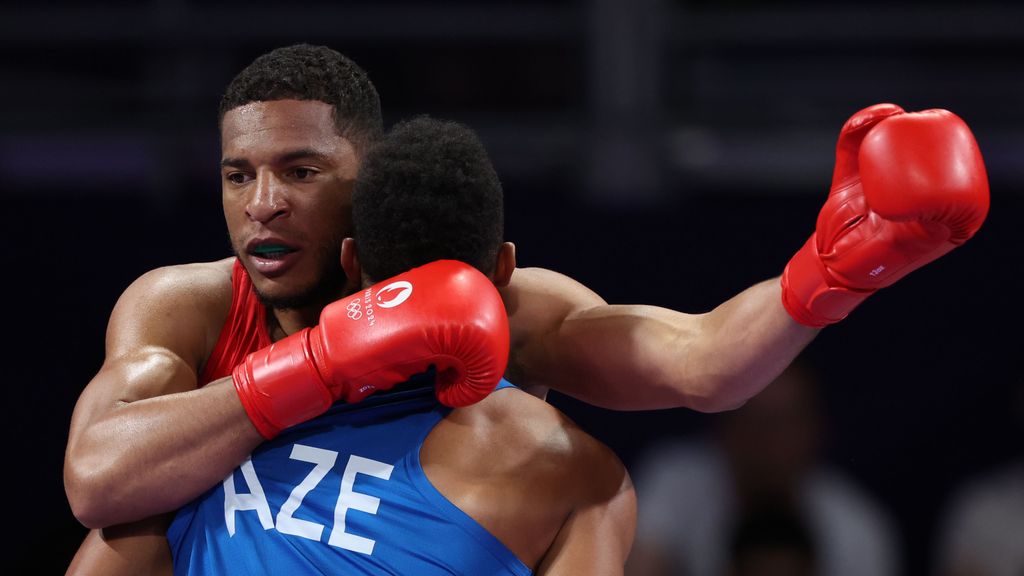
(329, 285)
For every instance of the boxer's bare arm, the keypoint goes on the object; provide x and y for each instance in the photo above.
(143, 439)
(138, 548)
(634, 357)
(597, 536)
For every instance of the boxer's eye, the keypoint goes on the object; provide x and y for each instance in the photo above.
(303, 173)
(237, 178)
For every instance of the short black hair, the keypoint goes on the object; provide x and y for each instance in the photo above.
(307, 72)
(427, 191)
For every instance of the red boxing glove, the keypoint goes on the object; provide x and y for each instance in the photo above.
(446, 314)
(907, 188)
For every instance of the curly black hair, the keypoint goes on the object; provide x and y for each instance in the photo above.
(427, 191)
(307, 72)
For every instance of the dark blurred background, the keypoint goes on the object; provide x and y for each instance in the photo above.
(660, 152)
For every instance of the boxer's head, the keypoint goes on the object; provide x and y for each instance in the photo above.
(294, 125)
(316, 74)
(427, 192)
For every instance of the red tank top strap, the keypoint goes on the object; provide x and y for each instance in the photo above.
(244, 331)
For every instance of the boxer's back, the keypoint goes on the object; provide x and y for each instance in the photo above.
(398, 484)
(519, 468)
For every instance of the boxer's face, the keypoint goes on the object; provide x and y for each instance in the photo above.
(287, 180)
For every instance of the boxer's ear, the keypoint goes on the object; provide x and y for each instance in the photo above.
(350, 261)
(505, 265)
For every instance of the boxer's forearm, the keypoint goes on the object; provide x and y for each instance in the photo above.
(129, 549)
(154, 455)
(743, 345)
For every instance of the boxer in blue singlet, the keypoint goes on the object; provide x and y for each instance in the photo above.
(400, 484)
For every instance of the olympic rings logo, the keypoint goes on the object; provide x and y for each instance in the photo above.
(354, 311)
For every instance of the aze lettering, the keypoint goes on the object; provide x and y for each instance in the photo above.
(285, 522)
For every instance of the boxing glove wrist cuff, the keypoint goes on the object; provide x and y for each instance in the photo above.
(279, 386)
(811, 295)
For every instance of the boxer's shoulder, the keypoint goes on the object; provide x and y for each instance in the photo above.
(514, 434)
(539, 290)
(196, 296)
(201, 283)
(519, 467)
(538, 301)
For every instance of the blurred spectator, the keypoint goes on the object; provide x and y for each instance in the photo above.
(697, 498)
(982, 529)
(772, 539)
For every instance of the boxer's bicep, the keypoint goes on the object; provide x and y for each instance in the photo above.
(154, 343)
(627, 357)
(623, 357)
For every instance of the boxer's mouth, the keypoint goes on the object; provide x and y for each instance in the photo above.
(270, 250)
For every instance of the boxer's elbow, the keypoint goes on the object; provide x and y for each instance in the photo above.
(91, 493)
(89, 514)
(685, 367)
(86, 507)
(718, 403)
(711, 393)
